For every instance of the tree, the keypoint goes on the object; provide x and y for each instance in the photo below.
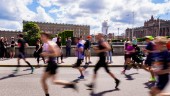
(31, 32)
(64, 35)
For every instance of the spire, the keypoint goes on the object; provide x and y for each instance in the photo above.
(152, 17)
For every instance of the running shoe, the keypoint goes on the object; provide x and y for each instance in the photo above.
(81, 77)
(86, 63)
(32, 70)
(152, 79)
(90, 62)
(117, 83)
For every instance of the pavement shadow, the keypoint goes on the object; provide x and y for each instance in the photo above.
(102, 93)
(27, 69)
(129, 76)
(149, 84)
(76, 80)
(12, 75)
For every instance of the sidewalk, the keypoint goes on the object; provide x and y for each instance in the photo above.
(118, 61)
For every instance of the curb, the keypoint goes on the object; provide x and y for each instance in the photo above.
(58, 66)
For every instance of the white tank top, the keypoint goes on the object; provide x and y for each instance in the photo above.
(46, 45)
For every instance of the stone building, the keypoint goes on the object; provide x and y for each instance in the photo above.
(9, 34)
(56, 28)
(153, 27)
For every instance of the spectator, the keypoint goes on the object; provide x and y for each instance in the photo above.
(110, 53)
(60, 46)
(12, 48)
(2, 48)
(134, 41)
(5, 46)
(68, 46)
(87, 47)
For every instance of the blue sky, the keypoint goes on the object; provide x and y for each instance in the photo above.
(119, 13)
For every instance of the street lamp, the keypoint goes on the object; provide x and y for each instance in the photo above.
(133, 24)
(159, 26)
(118, 33)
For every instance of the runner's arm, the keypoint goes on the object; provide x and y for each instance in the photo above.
(107, 47)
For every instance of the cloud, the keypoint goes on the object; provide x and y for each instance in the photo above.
(10, 25)
(14, 12)
(42, 15)
(119, 13)
(93, 6)
(45, 3)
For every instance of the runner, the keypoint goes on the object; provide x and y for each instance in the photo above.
(148, 62)
(128, 55)
(161, 65)
(38, 52)
(101, 50)
(125, 48)
(80, 56)
(22, 44)
(51, 51)
(87, 47)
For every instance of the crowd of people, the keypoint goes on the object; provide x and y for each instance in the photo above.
(157, 61)
(4, 53)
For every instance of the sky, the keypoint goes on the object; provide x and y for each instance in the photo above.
(118, 13)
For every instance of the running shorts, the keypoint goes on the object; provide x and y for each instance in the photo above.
(51, 67)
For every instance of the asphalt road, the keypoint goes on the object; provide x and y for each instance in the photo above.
(25, 84)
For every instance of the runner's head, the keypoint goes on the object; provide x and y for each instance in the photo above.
(99, 36)
(148, 38)
(160, 42)
(45, 36)
(129, 43)
(76, 40)
(127, 39)
(20, 36)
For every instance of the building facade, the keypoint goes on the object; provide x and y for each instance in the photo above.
(9, 34)
(152, 27)
(55, 28)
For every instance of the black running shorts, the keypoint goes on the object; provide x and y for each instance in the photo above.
(51, 67)
(78, 63)
(21, 55)
(162, 81)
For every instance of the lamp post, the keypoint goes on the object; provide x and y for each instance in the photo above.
(118, 34)
(159, 26)
(133, 23)
(79, 32)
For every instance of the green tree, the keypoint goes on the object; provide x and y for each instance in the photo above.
(64, 35)
(31, 32)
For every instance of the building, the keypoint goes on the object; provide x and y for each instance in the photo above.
(105, 27)
(55, 28)
(153, 27)
(9, 34)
